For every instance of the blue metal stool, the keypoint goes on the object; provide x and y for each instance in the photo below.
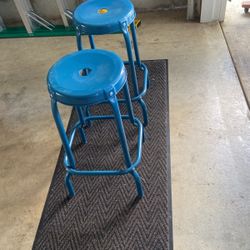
(85, 78)
(97, 17)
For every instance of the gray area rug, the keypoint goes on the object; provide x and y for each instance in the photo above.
(105, 213)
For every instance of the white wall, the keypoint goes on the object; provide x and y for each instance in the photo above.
(152, 4)
(213, 10)
(48, 8)
(9, 12)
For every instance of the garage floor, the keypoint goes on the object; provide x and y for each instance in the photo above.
(210, 133)
(237, 34)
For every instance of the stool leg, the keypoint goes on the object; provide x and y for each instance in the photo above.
(78, 39)
(114, 103)
(115, 106)
(148, 83)
(69, 185)
(91, 41)
(130, 107)
(131, 60)
(129, 103)
(81, 130)
(87, 113)
(138, 184)
(65, 143)
(144, 111)
(133, 74)
(137, 55)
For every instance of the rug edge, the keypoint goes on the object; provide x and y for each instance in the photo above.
(168, 157)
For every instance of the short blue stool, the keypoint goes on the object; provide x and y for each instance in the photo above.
(99, 17)
(85, 78)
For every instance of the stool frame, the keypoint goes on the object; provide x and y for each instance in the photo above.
(69, 160)
(124, 29)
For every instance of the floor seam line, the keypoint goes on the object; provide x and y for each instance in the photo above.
(234, 64)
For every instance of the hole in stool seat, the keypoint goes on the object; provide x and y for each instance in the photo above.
(84, 72)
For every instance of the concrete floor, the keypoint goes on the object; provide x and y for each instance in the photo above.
(237, 34)
(210, 133)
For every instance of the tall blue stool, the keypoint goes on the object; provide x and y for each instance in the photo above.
(98, 17)
(85, 78)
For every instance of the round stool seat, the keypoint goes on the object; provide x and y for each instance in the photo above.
(103, 17)
(86, 77)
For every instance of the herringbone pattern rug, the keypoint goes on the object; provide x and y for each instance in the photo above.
(105, 213)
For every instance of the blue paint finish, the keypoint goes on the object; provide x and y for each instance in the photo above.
(95, 17)
(133, 166)
(114, 103)
(81, 119)
(130, 57)
(59, 124)
(69, 185)
(137, 179)
(90, 18)
(129, 104)
(137, 55)
(87, 112)
(78, 39)
(80, 78)
(107, 75)
(91, 42)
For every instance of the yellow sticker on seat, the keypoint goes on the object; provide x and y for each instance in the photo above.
(103, 11)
